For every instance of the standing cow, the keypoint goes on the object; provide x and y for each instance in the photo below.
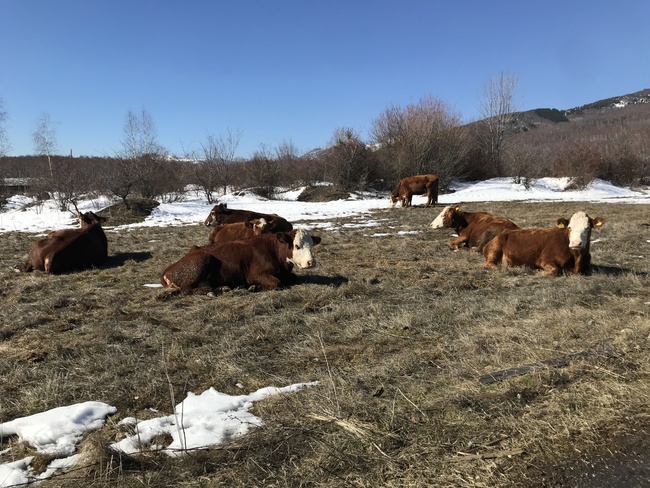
(69, 249)
(551, 249)
(474, 229)
(416, 185)
(262, 262)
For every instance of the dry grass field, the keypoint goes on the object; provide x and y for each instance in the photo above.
(397, 329)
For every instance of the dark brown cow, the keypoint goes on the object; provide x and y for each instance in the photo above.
(260, 263)
(416, 185)
(237, 231)
(551, 250)
(221, 214)
(474, 229)
(69, 249)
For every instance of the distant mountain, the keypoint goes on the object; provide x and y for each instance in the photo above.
(614, 106)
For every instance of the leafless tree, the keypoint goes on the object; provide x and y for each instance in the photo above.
(214, 170)
(349, 160)
(420, 138)
(497, 109)
(141, 165)
(262, 172)
(44, 137)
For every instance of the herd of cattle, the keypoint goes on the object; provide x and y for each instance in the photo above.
(258, 251)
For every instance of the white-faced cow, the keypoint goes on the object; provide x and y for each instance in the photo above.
(263, 262)
(236, 231)
(552, 250)
(221, 214)
(70, 249)
(474, 229)
(416, 185)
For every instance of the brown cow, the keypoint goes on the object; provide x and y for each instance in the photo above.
(221, 214)
(551, 249)
(262, 262)
(474, 229)
(69, 249)
(237, 231)
(415, 185)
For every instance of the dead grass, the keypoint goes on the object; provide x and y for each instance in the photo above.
(395, 327)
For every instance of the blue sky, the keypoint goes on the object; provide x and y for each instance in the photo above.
(297, 70)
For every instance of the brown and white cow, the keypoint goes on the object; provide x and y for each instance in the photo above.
(263, 262)
(416, 185)
(70, 249)
(552, 250)
(221, 214)
(236, 231)
(474, 229)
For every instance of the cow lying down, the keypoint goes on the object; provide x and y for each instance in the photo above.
(262, 262)
(552, 250)
(239, 230)
(70, 249)
(474, 229)
(221, 214)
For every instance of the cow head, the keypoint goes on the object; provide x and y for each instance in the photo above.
(394, 197)
(445, 218)
(89, 218)
(301, 247)
(258, 225)
(579, 227)
(213, 219)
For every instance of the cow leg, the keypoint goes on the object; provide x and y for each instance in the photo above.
(457, 243)
(493, 255)
(551, 270)
(263, 282)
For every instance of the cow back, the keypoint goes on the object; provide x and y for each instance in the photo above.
(80, 249)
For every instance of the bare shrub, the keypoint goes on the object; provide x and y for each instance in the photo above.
(262, 173)
(422, 138)
(349, 161)
(581, 162)
(214, 169)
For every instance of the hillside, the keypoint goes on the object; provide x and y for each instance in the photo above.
(635, 105)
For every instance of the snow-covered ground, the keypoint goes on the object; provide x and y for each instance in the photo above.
(213, 417)
(194, 208)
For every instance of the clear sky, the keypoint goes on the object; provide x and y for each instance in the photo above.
(297, 70)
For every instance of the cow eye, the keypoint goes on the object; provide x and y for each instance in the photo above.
(297, 247)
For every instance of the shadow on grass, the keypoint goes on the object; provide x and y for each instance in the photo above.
(615, 271)
(335, 281)
(119, 259)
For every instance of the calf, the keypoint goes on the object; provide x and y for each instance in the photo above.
(262, 262)
(415, 185)
(552, 250)
(474, 229)
(70, 249)
(221, 214)
(237, 231)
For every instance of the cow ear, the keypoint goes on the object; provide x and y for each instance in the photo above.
(316, 239)
(598, 222)
(562, 223)
(283, 237)
(457, 208)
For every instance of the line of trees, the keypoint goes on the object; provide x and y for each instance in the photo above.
(423, 137)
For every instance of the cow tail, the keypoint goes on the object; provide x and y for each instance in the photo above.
(487, 236)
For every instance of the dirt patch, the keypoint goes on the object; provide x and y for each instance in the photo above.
(327, 193)
(623, 462)
(138, 210)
